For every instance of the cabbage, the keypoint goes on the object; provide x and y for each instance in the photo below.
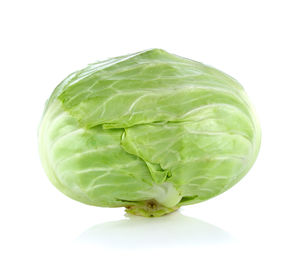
(150, 131)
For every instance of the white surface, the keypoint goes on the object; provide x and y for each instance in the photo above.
(257, 42)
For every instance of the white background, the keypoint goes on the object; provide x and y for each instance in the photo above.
(257, 42)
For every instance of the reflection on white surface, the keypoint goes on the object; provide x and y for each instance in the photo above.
(167, 231)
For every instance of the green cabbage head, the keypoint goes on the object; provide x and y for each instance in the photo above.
(150, 131)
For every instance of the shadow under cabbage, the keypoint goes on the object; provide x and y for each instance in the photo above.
(171, 230)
